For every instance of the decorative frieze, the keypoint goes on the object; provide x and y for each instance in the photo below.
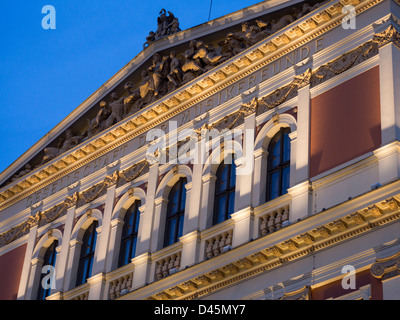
(92, 193)
(344, 63)
(133, 172)
(53, 214)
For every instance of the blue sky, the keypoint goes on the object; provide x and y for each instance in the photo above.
(45, 74)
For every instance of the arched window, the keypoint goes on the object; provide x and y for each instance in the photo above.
(129, 234)
(49, 259)
(278, 176)
(224, 192)
(87, 254)
(175, 212)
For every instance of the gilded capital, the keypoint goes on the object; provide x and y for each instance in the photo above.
(71, 200)
(250, 107)
(390, 35)
(303, 79)
(112, 179)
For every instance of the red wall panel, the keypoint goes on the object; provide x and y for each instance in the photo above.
(345, 122)
(10, 272)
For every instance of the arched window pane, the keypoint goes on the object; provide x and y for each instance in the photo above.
(175, 212)
(49, 259)
(278, 180)
(286, 146)
(129, 234)
(224, 192)
(87, 254)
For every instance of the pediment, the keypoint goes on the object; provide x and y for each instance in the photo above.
(133, 97)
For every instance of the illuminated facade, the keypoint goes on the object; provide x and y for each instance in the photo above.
(317, 107)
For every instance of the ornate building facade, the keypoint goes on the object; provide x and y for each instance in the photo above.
(255, 156)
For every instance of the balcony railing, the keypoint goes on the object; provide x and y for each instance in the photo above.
(217, 244)
(272, 221)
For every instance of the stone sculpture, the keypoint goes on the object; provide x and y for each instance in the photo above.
(166, 25)
(68, 143)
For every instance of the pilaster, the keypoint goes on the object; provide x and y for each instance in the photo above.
(146, 219)
(388, 38)
(105, 251)
(33, 221)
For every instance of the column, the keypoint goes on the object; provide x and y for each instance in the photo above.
(300, 190)
(72, 266)
(35, 272)
(32, 224)
(146, 220)
(115, 233)
(194, 190)
(245, 165)
(303, 129)
(207, 204)
(157, 238)
(260, 172)
(104, 251)
(63, 250)
(388, 39)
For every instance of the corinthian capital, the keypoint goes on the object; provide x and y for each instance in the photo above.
(71, 200)
(249, 107)
(303, 79)
(390, 35)
(112, 179)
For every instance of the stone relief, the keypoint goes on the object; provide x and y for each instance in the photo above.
(344, 63)
(63, 145)
(166, 73)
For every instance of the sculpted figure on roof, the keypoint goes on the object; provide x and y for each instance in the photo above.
(167, 24)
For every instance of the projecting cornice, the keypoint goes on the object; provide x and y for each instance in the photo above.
(242, 65)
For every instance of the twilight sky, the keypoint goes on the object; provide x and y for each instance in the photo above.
(45, 74)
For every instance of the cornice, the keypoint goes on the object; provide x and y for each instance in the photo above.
(272, 257)
(249, 61)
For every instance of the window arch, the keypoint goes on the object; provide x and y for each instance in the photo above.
(49, 259)
(278, 173)
(224, 192)
(129, 234)
(175, 212)
(87, 254)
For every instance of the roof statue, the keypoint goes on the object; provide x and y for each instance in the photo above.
(166, 25)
